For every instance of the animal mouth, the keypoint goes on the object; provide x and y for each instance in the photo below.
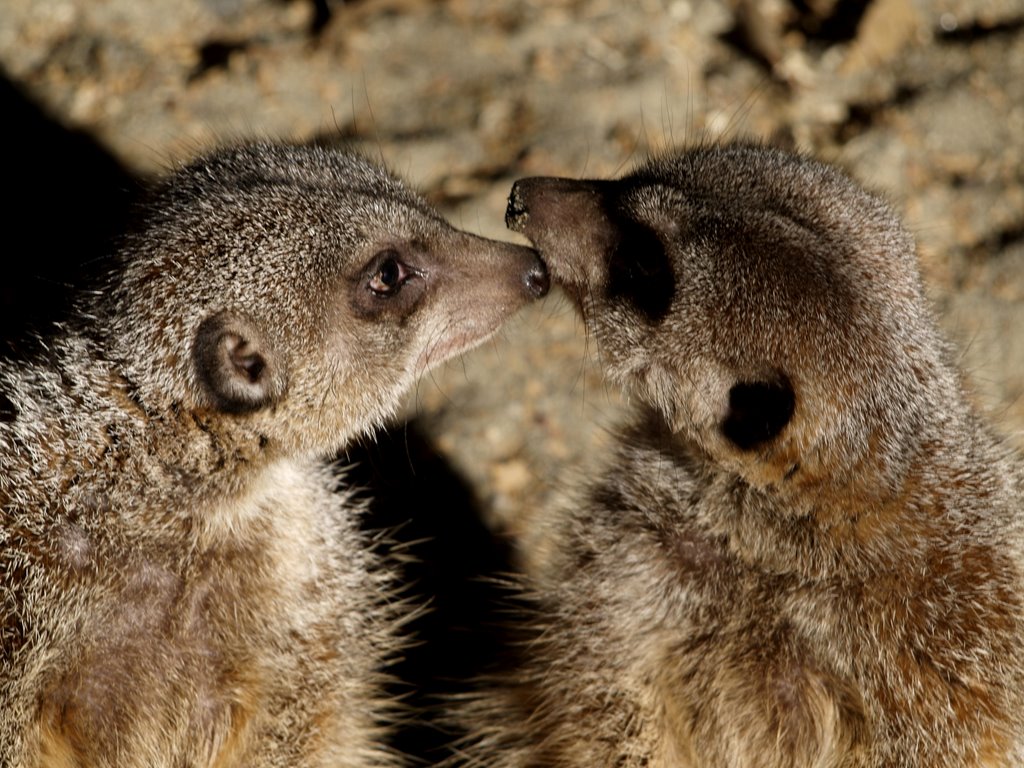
(451, 345)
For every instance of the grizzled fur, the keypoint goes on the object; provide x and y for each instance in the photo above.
(807, 549)
(181, 584)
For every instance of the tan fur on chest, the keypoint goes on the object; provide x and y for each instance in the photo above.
(188, 645)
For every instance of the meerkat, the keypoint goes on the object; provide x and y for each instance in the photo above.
(807, 547)
(182, 582)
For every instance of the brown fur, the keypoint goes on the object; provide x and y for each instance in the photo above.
(807, 550)
(182, 584)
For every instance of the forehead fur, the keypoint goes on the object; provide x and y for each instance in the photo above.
(759, 197)
(280, 190)
(308, 167)
(751, 174)
(268, 210)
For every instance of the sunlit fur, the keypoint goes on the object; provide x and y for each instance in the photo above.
(842, 590)
(182, 583)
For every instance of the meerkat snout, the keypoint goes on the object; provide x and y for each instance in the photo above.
(553, 204)
(583, 216)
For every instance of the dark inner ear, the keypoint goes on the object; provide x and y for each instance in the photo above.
(758, 411)
(245, 359)
(235, 364)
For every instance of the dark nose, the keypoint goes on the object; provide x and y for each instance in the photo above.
(516, 210)
(536, 279)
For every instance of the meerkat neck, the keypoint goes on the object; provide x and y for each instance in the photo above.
(94, 409)
(857, 529)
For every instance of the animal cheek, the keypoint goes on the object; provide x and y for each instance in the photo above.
(689, 392)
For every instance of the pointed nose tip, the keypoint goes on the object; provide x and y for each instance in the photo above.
(537, 280)
(515, 210)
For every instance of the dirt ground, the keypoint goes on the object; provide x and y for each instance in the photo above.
(923, 101)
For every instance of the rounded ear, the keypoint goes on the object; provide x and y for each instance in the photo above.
(235, 364)
(758, 411)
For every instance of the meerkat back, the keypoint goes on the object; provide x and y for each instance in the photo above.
(807, 549)
(182, 584)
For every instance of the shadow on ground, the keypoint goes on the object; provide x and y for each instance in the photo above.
(67, 198)
(450, 562)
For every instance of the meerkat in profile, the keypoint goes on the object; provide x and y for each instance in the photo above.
(807, 550)
(182, 585)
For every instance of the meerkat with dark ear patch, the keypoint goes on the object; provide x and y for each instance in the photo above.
(181, 583)
(807, 550)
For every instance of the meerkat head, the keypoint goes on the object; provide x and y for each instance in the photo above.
(302, 290)
(765, 304)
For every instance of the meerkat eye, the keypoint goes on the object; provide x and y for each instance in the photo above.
(389, 275)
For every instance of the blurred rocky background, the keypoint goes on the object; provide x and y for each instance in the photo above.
(921, 100)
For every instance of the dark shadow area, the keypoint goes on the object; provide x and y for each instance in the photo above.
(67, 199)
(972, 33)
(214, 55)
(321, 16)
(760, 37)
(838, 24)
(450, 562)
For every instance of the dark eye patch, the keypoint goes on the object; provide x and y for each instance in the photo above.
(389, 275)
(387, 285)
(639, 271)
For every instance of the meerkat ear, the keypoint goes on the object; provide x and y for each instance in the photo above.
(758, 411)
(236, 365)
